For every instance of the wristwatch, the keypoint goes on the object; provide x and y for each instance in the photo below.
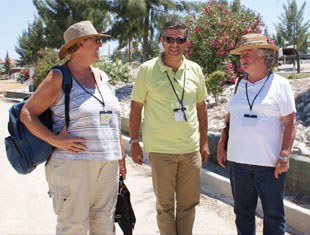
(132, 141)
(284, 159)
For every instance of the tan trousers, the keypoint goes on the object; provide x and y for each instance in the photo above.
(84, 195)
(176, 182)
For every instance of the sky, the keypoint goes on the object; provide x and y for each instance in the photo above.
(16, 15)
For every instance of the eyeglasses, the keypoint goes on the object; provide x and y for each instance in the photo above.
(97, 40)
(171, 40)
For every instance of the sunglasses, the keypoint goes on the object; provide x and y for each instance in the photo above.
(171, 40)
(97, 40)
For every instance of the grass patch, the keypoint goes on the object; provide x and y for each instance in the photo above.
(294, 75)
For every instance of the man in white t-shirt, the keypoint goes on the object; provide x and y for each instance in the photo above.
(261, 119)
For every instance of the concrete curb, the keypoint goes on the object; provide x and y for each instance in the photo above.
(218, 187)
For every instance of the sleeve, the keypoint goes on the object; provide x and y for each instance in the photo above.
(139, 89)
(286, 99)
(202, 90)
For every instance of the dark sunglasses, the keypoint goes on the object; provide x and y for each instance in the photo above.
(97, 40)
(171, 40)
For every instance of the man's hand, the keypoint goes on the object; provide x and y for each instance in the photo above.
(136, 153)
(205, 152)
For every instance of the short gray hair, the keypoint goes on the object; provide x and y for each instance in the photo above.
(270, 56)
(174, 24)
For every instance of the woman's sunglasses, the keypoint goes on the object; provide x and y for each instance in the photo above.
(171, 40)
(97, 39)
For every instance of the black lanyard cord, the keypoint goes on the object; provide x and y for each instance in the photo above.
(247, 95)
(100, 101)
(180, 101)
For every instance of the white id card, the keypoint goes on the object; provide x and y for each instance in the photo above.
(105, 117)
(249, 120)
(179, 115)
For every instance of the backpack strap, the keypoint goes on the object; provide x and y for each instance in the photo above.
(66, 87)
(237, 83)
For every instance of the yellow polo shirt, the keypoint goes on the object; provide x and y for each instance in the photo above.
(161, 132)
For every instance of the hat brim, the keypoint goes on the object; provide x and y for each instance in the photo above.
(237, 51)
(63, 50)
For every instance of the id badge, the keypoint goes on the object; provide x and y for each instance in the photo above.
(249, 120)
(105, 117)
(179, 115)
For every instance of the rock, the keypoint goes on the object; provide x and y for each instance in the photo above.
(301, 149)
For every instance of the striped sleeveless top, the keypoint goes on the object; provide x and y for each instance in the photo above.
(102, 140)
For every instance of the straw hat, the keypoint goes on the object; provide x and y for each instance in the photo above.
(253, 41)
(77, 32)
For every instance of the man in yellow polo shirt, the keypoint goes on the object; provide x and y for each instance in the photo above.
(175, 129)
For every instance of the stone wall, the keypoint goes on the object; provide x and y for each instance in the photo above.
(303, 108)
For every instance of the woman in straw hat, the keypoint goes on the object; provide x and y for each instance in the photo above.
(83, 170)
(261, 119)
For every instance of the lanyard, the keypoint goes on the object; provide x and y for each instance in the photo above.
(247, 95)
(180, 100)
(100, 101)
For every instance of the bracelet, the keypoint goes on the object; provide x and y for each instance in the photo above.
(133, 141)
(284, 159)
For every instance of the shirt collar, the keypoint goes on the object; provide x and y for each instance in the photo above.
(163, 68)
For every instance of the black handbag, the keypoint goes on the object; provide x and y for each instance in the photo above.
(124, 214)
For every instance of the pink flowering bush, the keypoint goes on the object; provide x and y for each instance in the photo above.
(214, 32)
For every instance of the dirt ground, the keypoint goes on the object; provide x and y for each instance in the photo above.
(12, 85)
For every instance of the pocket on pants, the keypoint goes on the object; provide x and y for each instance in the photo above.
(59, 190)
(60, 196)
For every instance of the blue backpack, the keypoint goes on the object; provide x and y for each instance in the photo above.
(24, 150)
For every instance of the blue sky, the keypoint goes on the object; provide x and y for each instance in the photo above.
(16, 15)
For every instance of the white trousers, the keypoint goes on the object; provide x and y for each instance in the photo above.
(84, 195)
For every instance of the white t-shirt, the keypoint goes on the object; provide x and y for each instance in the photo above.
(257, 141)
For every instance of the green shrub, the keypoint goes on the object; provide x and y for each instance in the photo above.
(214, 84)
(116, 71)
(47, 61)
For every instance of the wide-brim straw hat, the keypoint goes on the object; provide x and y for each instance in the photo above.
(76, 33)
(253, 41)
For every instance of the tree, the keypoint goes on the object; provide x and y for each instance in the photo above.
(31, 42)
(58, 15)
(7, 64)
(292, 27)
(236, 6)
(214, 31)
(278, 38)
(214, 84)
(48, 59)
(155, 11)
(127, 25)
(140, 21)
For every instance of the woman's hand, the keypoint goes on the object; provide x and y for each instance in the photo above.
(122, 168)
(70, 144)
(221, 154)
(281, 167)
